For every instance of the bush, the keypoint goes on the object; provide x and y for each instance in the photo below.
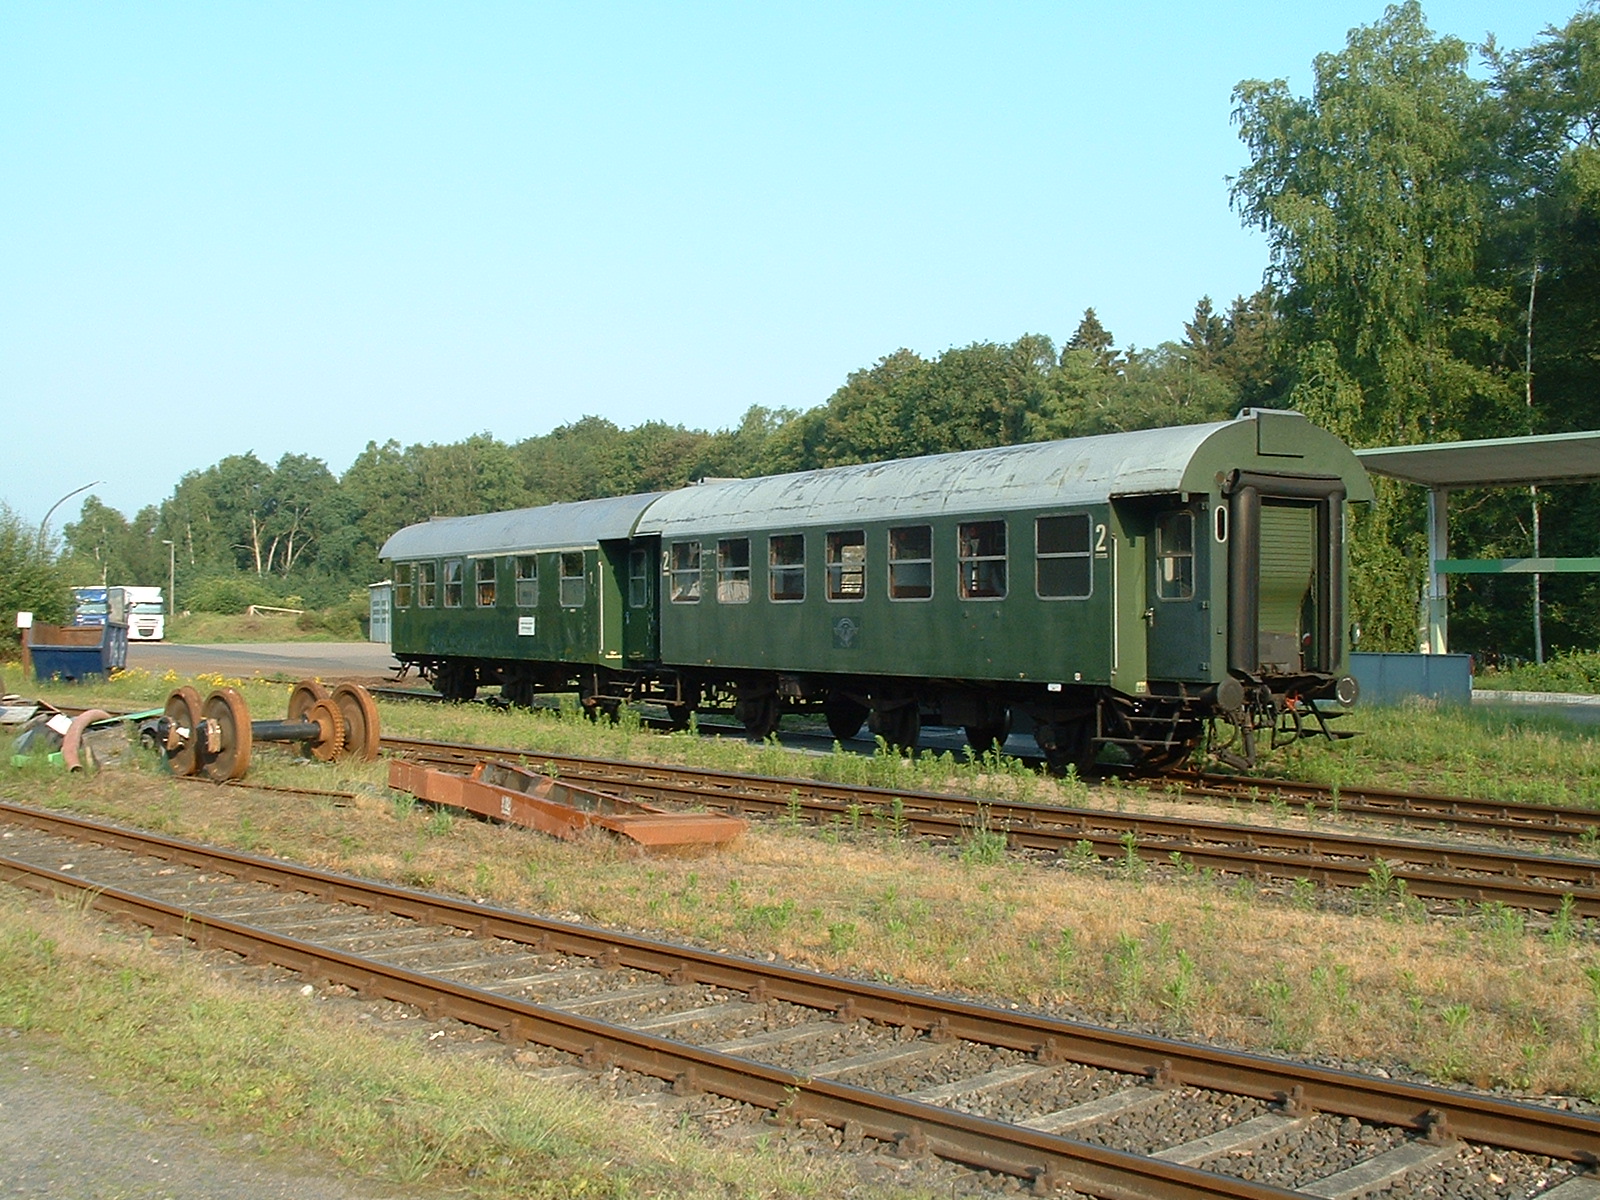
(342, 621)
(227, 594)
(1577, 672)
(30, 579)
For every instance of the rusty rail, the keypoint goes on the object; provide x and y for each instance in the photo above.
(1430, 871)
(1478, 1118)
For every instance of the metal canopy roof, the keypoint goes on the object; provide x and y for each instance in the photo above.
(1494, 462)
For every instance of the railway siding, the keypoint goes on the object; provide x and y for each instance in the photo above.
(990, 1088)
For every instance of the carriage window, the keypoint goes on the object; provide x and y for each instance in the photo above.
(638, 578)
(452, 583)
(786, 566)
(733, 571)
(1061, 562)
(686, 572)
(847, 565)
(911, 563)
(981, 549)
(402, 585)
(485, 580)
(1175, 556)
(427, 583)
(527, 581)
(574, 588)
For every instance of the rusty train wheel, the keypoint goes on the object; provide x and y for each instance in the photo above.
(360, 713)
(330, 742)
(182, 712)
(306, 693)
(227, 709)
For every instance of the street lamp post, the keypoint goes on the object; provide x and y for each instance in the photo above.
(172, 577)
(44, 525)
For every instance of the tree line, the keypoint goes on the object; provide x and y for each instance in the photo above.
(1432, 210)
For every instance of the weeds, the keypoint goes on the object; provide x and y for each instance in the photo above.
(983, 845)
(1132, 865)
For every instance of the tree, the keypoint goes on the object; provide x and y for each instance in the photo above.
(1094, 338)
(1205, 337)
(97, 545)
(1373, 193)
(297, 495)
(30, 578)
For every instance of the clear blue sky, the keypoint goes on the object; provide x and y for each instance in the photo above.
(234, 227)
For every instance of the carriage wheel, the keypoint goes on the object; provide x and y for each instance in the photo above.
(360, 713)
(679, 711)
(984, 738)
(844, 715)
(182, 712)
(306, 693)
(901, 726)
(456, 682)
(759, 713)
(226, 710)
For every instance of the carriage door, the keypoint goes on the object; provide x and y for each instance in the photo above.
(1285, 574)
(641, 630)
(1287, 617)
(1178, 597)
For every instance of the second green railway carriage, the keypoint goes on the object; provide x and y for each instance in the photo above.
(1119, 589)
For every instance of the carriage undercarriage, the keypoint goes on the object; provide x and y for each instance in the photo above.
(1074, 726)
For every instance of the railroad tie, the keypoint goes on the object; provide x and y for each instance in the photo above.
(977, 1085)
(1246, 1135)
(1579, 1187)
(899, 1052)
(1090, 1111)
(1380, 1171)
(601, 999)
(713, 1012)
(776, 1037)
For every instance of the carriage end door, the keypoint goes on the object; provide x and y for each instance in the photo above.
(1178, 597)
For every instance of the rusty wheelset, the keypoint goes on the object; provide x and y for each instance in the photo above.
(214, 737)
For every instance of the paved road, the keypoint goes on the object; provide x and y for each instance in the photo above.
(291, 660)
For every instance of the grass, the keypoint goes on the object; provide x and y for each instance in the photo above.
(233, 1060)
(1577, 672)
(205, 629)
(1490, 999)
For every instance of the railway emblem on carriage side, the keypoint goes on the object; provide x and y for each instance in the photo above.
(845, 633)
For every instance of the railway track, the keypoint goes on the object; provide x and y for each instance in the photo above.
(1550, 823)
(1452, 874)
(1011, 1094)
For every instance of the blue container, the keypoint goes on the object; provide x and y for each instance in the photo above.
(73, 654)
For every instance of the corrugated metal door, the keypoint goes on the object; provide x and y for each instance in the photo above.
(1288, 568)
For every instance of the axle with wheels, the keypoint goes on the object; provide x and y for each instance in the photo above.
(214, 737)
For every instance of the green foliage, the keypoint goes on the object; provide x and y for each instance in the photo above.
(1577, 672)
(1373, 196)
(229, 594)
(30, 578)
(1436, 237)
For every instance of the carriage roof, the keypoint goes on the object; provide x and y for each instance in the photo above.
(1035, 476)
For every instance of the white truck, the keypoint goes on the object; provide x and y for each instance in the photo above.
(142, 609)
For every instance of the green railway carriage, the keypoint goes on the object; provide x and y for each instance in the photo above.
(530, 599)
(1119, 589)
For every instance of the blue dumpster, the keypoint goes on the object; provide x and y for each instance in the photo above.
(77, 652)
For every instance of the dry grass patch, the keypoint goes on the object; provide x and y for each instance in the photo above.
(167, 1034)
(1482, 1000)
